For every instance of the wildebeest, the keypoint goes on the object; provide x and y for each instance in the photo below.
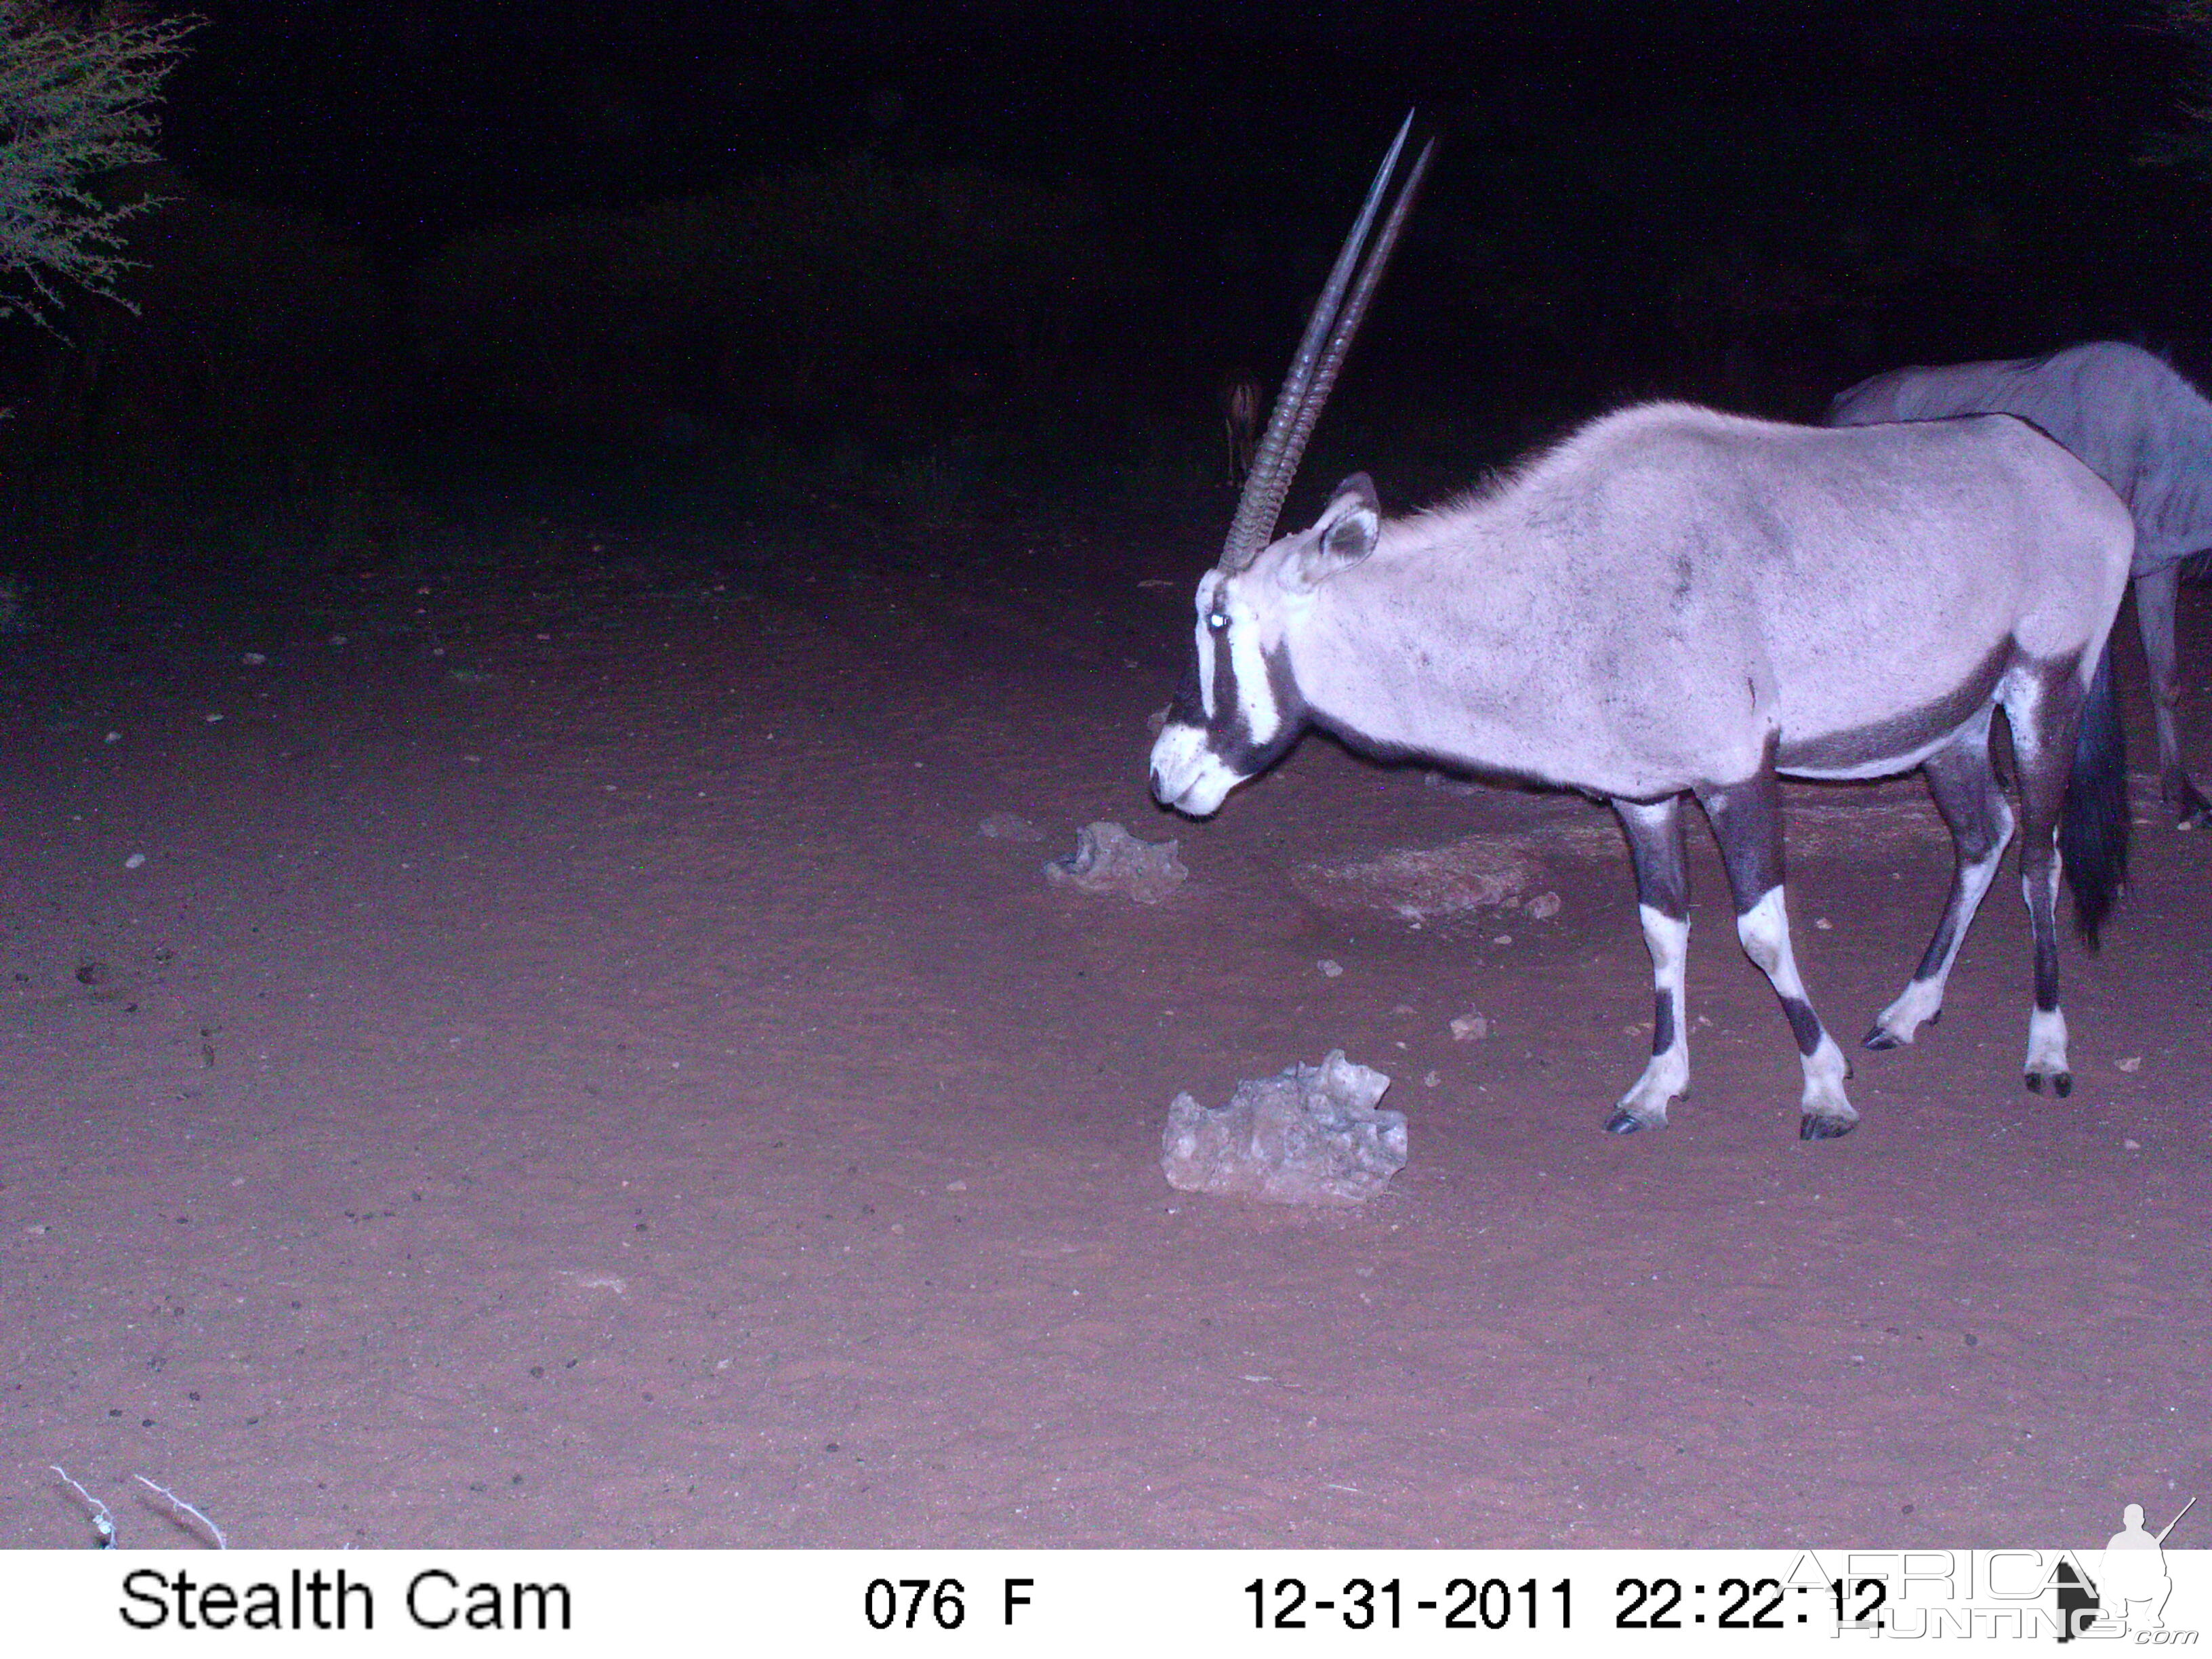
(2143, 429)
(1677, 603)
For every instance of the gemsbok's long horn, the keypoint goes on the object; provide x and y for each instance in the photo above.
(1313, 372)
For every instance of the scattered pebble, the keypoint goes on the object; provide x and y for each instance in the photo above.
(211, 719)
(1007, 826)
(1430, 1080)
(1330, 969)
(1544, 906)
(253, 659)
(337, 639)
(134, 861)
(112, 737)
(1503, 938)
(2132, 1063)
(956, 1186)
(1470, 1028)
(2131, 1145)
(1821, 922)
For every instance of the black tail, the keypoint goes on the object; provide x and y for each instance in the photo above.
(2092, 824)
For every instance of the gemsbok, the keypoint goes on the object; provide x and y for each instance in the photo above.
(1676, 603)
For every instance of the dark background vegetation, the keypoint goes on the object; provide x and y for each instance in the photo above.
(735, 258)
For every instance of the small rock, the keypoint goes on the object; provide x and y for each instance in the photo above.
(253, 659)
(2131, 1145)
(1006, 826)
(1503, 938)
(1108, 859)
(1330, 969)
(1821, 922)
(1430, 1079)
(1310, 1134)
(1470, 1028)
(2132, 1063)
(1544, 906)
(134, 861)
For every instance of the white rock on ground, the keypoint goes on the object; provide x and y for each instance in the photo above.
(1310, 1134)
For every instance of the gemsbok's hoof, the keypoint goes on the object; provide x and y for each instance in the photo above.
(1819, 1125)
(1625, 1123)
(1878, 1040)
(2062, 1082)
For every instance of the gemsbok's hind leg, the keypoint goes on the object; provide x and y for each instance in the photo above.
(2043, 720)
(1662, 901)
(1746, 820)
(1974, 805)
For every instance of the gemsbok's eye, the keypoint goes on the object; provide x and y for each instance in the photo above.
(1218, 621)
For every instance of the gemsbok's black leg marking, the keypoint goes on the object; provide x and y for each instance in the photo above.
(1663, 902)
(1746, 820)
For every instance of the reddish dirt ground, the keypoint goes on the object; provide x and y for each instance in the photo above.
(569, 1071)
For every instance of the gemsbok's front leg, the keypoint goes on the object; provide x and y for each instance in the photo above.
(1662, 901)
(1746, 820)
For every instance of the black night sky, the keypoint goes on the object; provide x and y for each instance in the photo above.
(597, 230)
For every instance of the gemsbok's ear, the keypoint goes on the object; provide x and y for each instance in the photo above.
(1344, 535)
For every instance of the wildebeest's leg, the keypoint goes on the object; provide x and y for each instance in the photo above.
(2155, 592)
(1662, 901)
(2043, 710)
(1974, 805)
(1746, 820)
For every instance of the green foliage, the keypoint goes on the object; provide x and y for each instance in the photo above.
(76, 94)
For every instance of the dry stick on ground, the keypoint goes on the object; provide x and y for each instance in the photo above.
(102, 1521)
(214, 1531)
